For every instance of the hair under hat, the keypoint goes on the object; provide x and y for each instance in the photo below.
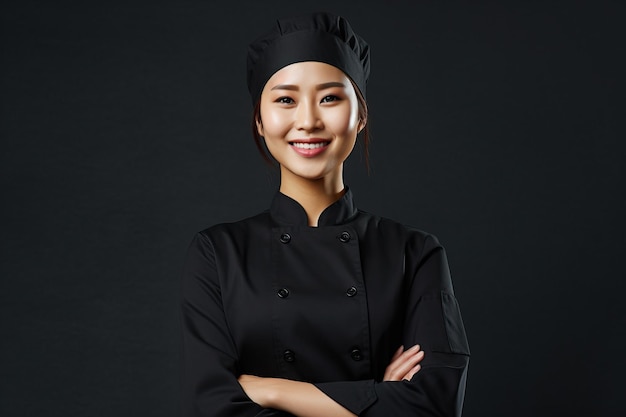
(321, 37)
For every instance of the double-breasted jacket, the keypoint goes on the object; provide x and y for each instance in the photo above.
(271, 296)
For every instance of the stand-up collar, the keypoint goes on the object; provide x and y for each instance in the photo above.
(286, 210)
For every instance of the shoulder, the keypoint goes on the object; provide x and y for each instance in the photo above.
(237, 229)
(387, 228)
(224, 239)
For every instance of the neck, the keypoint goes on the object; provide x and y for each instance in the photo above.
(313, 195)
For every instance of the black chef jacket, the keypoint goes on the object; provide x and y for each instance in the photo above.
(271, 296)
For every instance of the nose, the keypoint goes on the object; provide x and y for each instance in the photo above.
(307, 117)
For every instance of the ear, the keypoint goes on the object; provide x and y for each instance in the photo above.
(259, 126)
(362, 124)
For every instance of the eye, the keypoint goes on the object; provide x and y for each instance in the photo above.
(284, 100)
(329, 99)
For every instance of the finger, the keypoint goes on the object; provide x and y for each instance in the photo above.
(414, 348)
(395, 357)
(397, 354)
(403, 365)
(412, 372)
(391, 372)
(406, 355)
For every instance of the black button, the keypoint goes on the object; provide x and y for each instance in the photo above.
(283, 293)
(285, 238)
(351, 292)
(356, 354)
(344, 237)
(289, 356)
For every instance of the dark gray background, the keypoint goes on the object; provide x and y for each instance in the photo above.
(124, 131)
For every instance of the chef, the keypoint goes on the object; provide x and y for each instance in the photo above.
(314, 307)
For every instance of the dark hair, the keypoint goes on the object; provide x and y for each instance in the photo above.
(364, 134)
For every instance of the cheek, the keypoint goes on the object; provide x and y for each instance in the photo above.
(344, 122)
(274, 122)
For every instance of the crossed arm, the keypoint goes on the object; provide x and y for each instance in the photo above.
(303, 399)
(210, 386)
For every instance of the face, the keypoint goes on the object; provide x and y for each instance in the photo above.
(309, 119)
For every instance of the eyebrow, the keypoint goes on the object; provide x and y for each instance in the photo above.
(318, 87)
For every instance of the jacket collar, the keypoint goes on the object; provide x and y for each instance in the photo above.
(285, 210)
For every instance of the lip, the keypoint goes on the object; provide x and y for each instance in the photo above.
(310, 152)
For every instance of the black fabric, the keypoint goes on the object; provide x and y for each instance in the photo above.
(288, 211)
(271, 296)
(321, 37)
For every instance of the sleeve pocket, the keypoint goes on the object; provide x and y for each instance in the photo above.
(436, 325)
(453, 323)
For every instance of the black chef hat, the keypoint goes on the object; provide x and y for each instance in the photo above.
(321, 37)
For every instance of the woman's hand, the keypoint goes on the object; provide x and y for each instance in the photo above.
(260, 390)
(404, 364)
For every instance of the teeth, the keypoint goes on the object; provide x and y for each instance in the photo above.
(309, 145)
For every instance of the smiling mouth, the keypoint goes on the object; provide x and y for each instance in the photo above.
(309, 145)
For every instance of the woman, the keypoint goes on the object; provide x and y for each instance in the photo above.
(306, 309)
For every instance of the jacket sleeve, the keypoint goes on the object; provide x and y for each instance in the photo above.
(433, 320)
(209, 358)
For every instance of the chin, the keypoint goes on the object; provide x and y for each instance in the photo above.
(314, 174)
